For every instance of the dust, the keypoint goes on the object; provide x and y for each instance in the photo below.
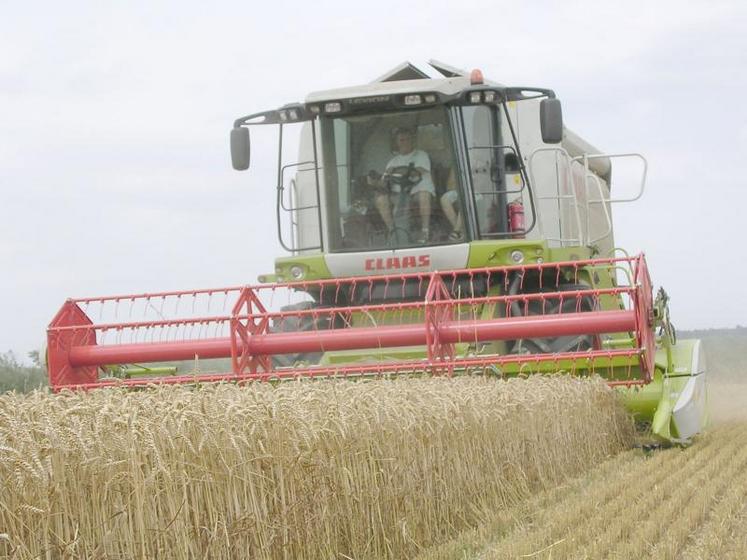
(728, 401)
(726, 365)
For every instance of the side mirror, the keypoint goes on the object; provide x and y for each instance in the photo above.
(240, 148)
(551, 121)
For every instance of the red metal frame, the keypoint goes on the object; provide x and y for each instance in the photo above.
(76, 352)
(60, 340)
(245, 326)
(440, 351)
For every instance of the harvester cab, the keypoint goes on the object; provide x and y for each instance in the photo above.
(445, 226)
(404, 173)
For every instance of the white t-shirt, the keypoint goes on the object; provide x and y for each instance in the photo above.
(421, 161)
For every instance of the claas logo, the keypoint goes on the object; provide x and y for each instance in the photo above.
(398, 263)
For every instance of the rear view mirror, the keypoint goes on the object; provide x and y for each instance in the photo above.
(551, 121)
(240, 148)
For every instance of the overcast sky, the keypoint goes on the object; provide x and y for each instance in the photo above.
(114, 119)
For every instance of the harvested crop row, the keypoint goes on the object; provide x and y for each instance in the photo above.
(301, 470)
(676, 503)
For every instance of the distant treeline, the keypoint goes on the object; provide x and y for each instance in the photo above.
(739, 331)
(16, 376)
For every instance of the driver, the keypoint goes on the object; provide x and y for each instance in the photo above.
(418, 175)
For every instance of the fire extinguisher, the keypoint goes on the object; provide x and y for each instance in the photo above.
(516, 218)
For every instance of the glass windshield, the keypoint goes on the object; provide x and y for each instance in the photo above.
(385, 178)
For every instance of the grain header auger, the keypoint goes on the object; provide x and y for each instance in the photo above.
(444, 225)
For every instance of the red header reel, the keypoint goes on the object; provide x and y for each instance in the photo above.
(540, 317)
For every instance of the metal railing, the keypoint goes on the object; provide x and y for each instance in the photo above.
(569, 179)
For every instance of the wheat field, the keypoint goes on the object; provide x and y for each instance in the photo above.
(307, 469)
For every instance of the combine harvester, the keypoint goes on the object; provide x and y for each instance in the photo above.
(443, 226)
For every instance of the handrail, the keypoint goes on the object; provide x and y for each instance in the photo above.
(559, 150)
(586, 157)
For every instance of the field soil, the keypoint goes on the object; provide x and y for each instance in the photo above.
(688, 503)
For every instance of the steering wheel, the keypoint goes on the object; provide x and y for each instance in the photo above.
(404, 175)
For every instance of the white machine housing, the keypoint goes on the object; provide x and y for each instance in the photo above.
(570, 181)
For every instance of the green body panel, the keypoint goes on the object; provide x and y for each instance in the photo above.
(498, 253)
(654, 403)
(314, 267)
(378, 355)
(481, 254)
(127, 372)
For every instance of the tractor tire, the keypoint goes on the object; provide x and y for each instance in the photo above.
(298, 324)
(553, 306)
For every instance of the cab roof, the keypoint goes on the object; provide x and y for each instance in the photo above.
(402, 79)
